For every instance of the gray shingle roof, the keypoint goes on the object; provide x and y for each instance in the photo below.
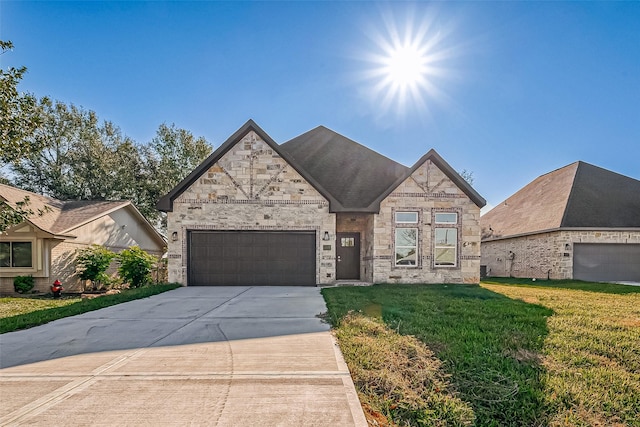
(352, 173)
(59, 217)
(578, 195)
(350, 176)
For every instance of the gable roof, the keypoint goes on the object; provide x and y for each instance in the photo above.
(579, 195)
(351, 176)
(165, 203)
(454, 176)
(59, 218)
(352, 173)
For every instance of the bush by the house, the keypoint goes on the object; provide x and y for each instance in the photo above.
(135, 266)
(92, 263)
(23, 284)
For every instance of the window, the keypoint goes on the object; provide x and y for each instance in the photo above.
(347, 242)
(407, 217)
(15, 254)
(446, 218)
(406, 246)
(446, 247)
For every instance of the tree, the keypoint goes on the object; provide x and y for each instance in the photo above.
(170, 156)
(80, 158)
(19, 113)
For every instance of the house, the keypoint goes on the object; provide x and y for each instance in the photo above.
(318, 209)
(577, 222)
(45, 245)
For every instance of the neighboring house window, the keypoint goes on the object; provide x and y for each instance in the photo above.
(446, 239)
(15, 254)
(406, 239)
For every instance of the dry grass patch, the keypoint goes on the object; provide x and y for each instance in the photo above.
(399, 380)
(591, 355)
(11, 306)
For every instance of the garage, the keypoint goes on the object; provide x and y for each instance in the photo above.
(256, 258)
(606, 262)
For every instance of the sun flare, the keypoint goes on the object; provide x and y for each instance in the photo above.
(409, 63)
(405, 66)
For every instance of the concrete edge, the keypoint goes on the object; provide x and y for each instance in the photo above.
(355, 406)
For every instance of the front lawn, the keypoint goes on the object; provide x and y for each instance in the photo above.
(523, 354)
(24, 312)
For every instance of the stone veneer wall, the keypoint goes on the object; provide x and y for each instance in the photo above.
(250, 188)
(427, 191)
(545, 255)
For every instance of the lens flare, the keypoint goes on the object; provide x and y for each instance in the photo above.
(408, 63)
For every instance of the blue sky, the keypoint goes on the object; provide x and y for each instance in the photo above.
(512, 90)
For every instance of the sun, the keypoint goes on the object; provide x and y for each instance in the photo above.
(405, 66)
(409, 61)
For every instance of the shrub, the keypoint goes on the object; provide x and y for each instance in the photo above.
(92, 262)
(135, 266)
(23, 284)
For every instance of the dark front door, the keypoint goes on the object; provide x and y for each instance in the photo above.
(348, 256)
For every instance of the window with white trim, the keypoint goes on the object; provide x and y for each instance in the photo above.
(406, 217)
(445, 239)
(16, 254)
(406, 239)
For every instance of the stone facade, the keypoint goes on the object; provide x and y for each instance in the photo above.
(250, 188)
(545, 255)
(427, 191)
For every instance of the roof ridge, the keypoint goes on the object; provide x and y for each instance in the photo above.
(571, 191)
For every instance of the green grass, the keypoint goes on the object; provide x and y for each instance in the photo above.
(519, 353)
(22, 313)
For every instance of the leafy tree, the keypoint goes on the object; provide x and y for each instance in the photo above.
(172, 154)
(92, 263)
(19, 113)
(81, 159)
(135, 266)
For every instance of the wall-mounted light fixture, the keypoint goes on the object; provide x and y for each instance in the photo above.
(174, 236)
(326, 236)
(567, 247)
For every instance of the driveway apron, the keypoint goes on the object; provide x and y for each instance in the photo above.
(219, 356)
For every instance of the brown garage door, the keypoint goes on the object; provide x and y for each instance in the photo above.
(603, 262)
(251, 258)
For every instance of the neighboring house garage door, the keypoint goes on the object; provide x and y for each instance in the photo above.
(606, 262)
(252, 258)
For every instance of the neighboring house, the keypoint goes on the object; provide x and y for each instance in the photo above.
(577, 222)
(45, 245)
(318, 209)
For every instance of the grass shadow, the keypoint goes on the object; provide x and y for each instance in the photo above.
(490, 344)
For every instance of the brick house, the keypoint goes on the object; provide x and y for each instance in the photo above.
(577, 222)
(45, 245)
(318, 209)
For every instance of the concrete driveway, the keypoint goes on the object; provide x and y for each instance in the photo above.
(225, 356)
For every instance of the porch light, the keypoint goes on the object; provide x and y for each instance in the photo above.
(326, 236)
(174, 236)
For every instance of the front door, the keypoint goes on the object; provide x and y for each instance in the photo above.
(348, 256)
